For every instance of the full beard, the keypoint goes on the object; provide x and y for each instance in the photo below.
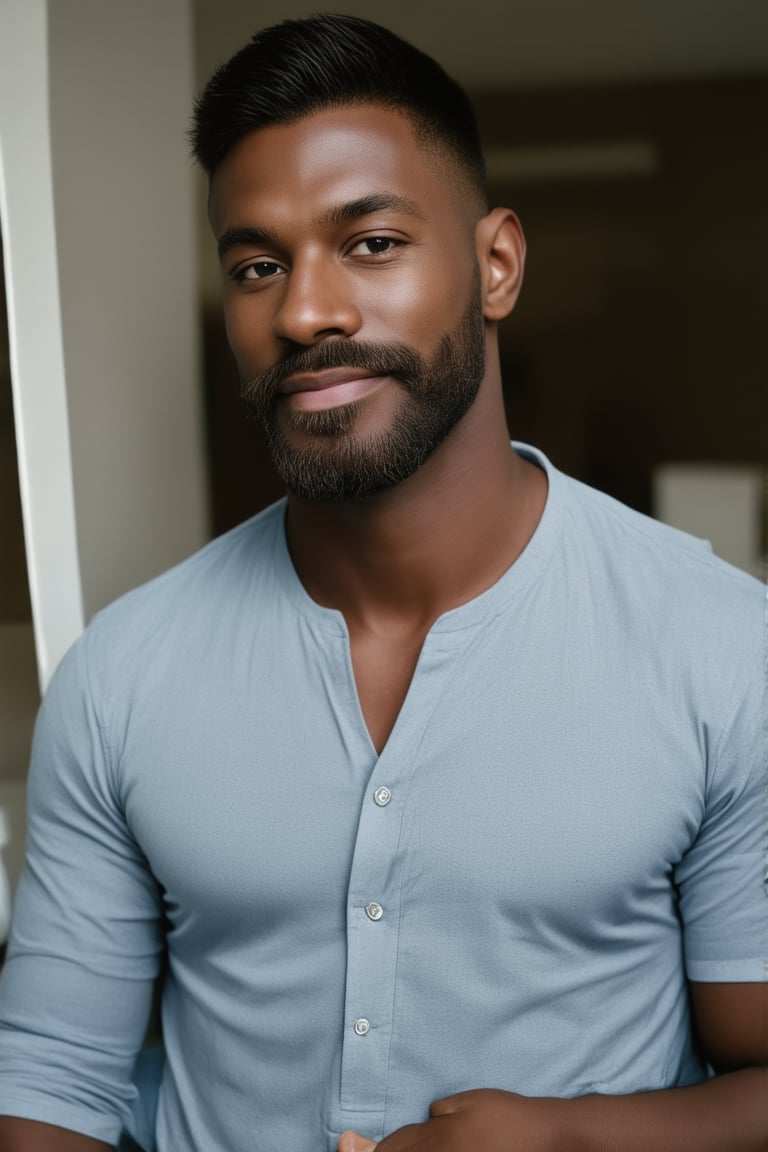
(334, 463)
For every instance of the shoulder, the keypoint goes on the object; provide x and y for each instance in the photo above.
(204, 583)
(660, 570)
(691, 631)
(177, 619)
(669, 611)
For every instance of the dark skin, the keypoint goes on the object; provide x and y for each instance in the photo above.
(390, 563)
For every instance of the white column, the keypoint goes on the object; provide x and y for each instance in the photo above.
(37, 363)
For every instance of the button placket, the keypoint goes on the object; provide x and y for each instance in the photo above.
(381, 856)
(372, 942)
(371, 958)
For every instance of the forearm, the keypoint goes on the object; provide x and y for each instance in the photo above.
(18, 1135)
(727, 1114)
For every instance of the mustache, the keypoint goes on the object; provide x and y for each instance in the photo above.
(382, 359)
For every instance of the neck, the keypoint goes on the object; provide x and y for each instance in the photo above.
(435, 541)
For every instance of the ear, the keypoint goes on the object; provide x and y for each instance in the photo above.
(500, 247)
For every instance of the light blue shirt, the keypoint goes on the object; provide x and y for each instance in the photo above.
(567, 820)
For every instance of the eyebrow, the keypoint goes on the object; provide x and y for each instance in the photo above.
(244, 236)
(367, 205)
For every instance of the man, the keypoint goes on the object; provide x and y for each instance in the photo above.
(441, 784)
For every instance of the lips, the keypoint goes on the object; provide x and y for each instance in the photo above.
(329, 388)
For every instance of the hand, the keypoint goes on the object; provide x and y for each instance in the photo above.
(484, 1119)
(353, 1142)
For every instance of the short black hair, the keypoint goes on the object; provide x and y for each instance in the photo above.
(300, 67)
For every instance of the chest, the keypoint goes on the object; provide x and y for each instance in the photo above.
(530, 794)
(383, 665)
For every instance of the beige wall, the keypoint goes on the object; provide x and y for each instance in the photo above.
(121, 90)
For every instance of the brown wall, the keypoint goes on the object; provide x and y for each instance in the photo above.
(640, 336)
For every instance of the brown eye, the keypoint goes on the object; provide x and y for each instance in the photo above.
(259, 270)
(373, 246)
(378, 244)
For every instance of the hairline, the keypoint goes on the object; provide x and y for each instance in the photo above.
(436, 146)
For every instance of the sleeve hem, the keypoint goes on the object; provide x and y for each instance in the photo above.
(728, 971)
(80, 1120)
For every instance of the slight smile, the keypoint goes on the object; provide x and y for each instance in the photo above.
(331, 388)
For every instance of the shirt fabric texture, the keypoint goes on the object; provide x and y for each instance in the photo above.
(568, 819)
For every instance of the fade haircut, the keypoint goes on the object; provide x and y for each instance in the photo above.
(301, 67)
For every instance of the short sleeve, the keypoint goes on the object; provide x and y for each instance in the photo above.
(723, 879)
(86, 935)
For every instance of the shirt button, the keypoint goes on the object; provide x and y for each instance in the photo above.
(382, 797)
(362, 1027)
(374, 911)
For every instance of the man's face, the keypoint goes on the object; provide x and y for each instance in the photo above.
(352, 297)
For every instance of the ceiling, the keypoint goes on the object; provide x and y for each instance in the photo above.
(493, 43)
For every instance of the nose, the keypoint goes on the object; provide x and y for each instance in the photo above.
(317, 302)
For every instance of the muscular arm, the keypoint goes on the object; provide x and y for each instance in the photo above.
(29, 1136)
(86, 941)
(726, 1114)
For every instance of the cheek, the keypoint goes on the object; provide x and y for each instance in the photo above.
(248, 336)
(410, 309)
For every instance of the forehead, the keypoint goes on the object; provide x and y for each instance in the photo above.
(326, 159)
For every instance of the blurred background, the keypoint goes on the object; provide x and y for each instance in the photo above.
(630, 137)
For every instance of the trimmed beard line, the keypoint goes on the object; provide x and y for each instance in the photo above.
(337, 464)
